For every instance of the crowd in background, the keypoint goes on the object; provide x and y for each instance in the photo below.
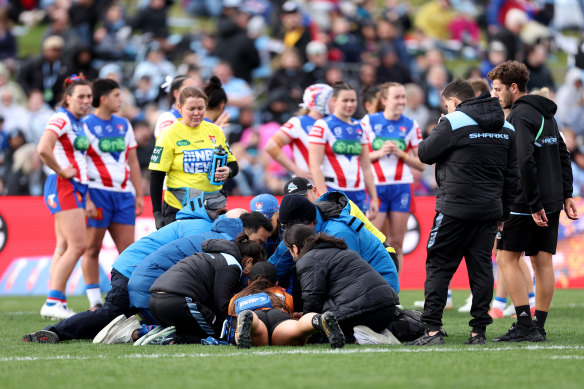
(266, 53)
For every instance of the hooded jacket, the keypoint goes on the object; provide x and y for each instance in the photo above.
(544, 161)
(334, 217)
(155, 264)
(338, 280)
(476, 161)
(210, 277)
(194, 219)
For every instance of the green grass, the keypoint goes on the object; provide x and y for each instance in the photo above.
(80, 363)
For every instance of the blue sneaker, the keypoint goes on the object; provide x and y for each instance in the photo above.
(164, 337)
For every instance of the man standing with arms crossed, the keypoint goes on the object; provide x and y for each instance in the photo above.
(545, 189)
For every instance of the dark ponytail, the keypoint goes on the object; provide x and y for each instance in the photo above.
(215, 92)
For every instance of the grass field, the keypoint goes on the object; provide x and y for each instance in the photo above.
(557, 363)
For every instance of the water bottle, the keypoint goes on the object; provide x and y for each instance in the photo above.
(219, 159)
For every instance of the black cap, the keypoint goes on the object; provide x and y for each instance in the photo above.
(296, 209)
(298, 185)
(265, 270)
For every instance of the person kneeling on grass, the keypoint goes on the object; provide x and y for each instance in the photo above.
(334, 278)
(264, 315)
(190, 299)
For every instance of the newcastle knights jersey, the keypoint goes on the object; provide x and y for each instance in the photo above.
(297, 129)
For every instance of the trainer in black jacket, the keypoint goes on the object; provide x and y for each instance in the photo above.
(194, 294)
(473, 148)
(545, 189)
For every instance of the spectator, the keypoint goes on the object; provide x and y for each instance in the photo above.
(111, 39)
(295, 33)
(496, 55)
(14, 115)
(234, 46)
(7, 83)
(26, 177)
(370, 53)
(433, 19)
(205, 48)
(389, 34)
(435, 81)
(315, 67)
(153, 19)
(60, 25)
(46, 72)
(568, 96)
(290, 77)
(540, 75)
(38, 114)
(343, 40)
(390, 69)
(8, 44)
(84, 15)
(239, 94)
(206, 8)
(150, 74)
(415, 107)
(367, 76)
(508, 34)
(82, 62)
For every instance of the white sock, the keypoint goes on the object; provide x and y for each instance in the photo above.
(499, 302)
(94, 296)
(449, 296)
(532, 299)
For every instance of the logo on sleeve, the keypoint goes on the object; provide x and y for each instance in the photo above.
(58, 122)
(156, 154)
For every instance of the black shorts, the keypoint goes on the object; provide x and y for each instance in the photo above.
(272, 319)
(520, 233)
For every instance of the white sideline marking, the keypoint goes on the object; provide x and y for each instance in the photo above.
(19, 313)
(365, 350)
(567, 357)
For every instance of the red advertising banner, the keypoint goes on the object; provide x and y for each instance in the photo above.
(27, 241)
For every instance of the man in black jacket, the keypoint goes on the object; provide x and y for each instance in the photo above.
(545, 189)
(476, 171)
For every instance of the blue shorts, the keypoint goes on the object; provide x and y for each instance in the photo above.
(112, 207)
(395, 198)
(356, 196)
(62, 194)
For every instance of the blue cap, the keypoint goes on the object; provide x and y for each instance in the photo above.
(266, 204)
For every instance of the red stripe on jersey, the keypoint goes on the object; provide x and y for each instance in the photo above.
(127, 172)
(70, 153)
(106, 179)
(358, 181)
(302, 148)
(399, 167)
(341, 180)
(377, 168)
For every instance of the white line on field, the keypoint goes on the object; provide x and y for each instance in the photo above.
(567, 357)
(293, 352)
(18, 313)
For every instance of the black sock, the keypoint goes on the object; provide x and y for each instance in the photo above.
(541, 317)
(317, 322)
(524, 316)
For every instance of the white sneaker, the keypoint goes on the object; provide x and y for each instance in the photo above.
(419, 304)
(106, 330)
(144, 338)
(59, 311)
(467, 305)
(509, 311)
(123, 332)
(365, 335)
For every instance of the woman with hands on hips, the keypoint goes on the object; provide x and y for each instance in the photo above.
(62, 148)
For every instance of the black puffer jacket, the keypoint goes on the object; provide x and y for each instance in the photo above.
(340, 281)
(476, 161)
(544, 164)
(210, 278)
